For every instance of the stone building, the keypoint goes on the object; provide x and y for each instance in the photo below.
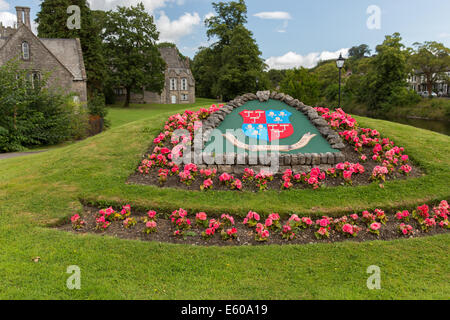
(179, 82)
(63, 58)
(417, 82)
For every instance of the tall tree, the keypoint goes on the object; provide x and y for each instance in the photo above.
(359, 52)
(52, 20)
(386, 77)
(433, 59)
(302, 84)
(130, 37)
(234, 59)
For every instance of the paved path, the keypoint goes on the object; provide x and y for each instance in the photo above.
(18, 154)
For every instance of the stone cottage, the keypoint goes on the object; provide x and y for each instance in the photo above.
(179, 82)
(63, 58)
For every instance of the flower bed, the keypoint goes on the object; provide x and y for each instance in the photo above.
(369, 158)
(201, 229)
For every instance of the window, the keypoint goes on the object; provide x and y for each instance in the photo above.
(25, 51)
(184, 84)
(184, 97)
(173, 84)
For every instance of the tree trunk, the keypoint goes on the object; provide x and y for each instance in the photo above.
(429, 84)
(128, 98)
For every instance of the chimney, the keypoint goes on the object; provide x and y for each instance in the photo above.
(23, 16)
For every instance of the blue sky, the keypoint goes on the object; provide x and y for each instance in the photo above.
(293, 33)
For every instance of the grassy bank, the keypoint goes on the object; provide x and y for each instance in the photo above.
(44, 189)
(426, 108)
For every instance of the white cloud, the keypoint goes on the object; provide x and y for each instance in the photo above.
(444, 35)
(172, 31)
(294, 60)
(209, 15)
(7, 18)
(4, 5)
(274, 15)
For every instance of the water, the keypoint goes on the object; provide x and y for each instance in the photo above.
(433, 125)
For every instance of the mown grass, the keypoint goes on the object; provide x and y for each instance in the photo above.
(43, 189)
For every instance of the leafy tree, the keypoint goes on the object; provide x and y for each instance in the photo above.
(359, 52)
(242, 68)
(204, 69)
(229, 15)
(52, 20)
(232, 65)
(386, 77)
(433, 59)
(302, 84)
(275, 77)
(130, 37)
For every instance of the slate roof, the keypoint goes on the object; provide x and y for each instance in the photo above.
(68, 52)
(172, 58)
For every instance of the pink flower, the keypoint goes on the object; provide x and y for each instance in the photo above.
(151, 224)
(354, 216)
(201, 216)
(324, 222)
(151, 214)
(347, 228)
(375, 226)
(269, 222)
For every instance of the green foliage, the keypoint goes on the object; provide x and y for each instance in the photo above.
(134, 60)
(386, 77)
(433, 59)
(52, 23)
(32, 115)
(232, 65)
(359, 52)
(302, 84)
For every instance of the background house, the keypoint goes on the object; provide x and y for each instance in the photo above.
(417, 82)
(179, 84)
(63, 58)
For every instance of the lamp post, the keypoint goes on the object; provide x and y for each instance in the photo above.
(340, 64)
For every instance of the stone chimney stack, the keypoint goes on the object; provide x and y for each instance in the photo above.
(23, 16)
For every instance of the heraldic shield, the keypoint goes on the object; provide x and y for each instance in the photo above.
(267, 125)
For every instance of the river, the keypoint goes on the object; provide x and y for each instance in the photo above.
(433, 125)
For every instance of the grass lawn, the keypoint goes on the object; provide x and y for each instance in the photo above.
(44, 189)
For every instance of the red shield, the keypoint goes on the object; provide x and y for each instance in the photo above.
(254, 116)
(280, 131)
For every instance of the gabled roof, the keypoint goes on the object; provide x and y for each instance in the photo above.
(66, 51)
(172, 58)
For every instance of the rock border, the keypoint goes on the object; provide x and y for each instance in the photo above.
(287, 160)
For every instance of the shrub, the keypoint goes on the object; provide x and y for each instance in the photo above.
(33, 115)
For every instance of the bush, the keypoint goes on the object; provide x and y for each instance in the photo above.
(32, 115)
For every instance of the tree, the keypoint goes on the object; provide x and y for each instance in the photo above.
(52, 20)
(229, 15)
(359, 52)
(385, 80)
(204, 69)
(232, 65)
(130, 38)
(302, 85)
(241, 67)
(433, 59)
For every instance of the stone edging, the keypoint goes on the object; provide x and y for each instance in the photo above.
(307, 159)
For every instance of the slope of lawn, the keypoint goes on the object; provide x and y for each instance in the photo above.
(39, 190)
